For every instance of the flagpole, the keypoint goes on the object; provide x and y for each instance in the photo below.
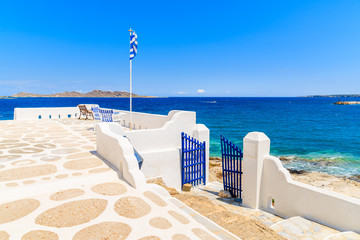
(130, 124)
(130, 96)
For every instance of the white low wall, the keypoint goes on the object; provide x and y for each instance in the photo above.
(144, 120)
(161, 148)
(117, 150)
(46, 113)
(265, 179)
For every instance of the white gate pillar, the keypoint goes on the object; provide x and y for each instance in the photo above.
(256, 147)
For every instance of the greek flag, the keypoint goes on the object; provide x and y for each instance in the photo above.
(133, 44)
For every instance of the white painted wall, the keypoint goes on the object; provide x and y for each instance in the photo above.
(144, 120)
(117, 150)
(45, 113)
(161, 148)
(265, 179)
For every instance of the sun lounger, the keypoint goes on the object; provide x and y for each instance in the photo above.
(106, 115)
(85, 112)
(96, 114)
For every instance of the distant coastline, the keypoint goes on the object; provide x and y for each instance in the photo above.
(74, 94)
(335, 96)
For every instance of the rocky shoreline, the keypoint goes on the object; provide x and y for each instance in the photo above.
(347, 103)
(317, 163)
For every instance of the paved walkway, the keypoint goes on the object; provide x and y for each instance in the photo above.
(54, 186)
(211, 191)
(291, 228)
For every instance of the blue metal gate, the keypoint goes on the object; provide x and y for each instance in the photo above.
(192, 160)
(231, 157)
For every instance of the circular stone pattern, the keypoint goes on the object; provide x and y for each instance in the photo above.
(50, 158)
(99, 170)
(132, 207)
(160, 222)
(26, 172)
(4, 235)
(39, 155)
(83, 164)
(72, 213)
(109, 189)
(40, 234)
(27, 150)
(179, 217)
(65, 151)
(150, 238)
(45, 145)
(180, 237)
(9, 157)
(61, 176)
(80, 155)
(67, 194)
(155, 198)
(9, 141)
(29, 182)
(202, 234)
(105, 230)
(15, 210)
(23, 162)
(12, 145)
(12, 184)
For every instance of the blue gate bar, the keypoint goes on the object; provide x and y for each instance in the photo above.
(192, 160)
(231, 156)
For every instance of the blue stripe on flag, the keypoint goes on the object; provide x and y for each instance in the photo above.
(133, 45)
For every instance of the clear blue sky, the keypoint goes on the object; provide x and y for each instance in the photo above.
(225, 48)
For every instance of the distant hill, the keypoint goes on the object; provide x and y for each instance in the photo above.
(336, 95)
(94, 93)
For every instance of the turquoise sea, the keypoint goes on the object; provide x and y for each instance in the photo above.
(312, 132)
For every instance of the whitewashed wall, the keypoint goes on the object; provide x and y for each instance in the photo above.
(117, 150)
(46, 113)
(160, 148)
(265, 179)
(144, 120)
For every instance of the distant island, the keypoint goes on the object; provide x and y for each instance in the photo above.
(92, 94)
(336, 96)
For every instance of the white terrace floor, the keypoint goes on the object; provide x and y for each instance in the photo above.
(53, 186)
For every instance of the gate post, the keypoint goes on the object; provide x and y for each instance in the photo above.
(202, 133)
(256, 147)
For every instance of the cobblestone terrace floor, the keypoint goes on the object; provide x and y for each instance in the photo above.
(53, 186)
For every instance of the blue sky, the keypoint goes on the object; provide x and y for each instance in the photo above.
(186, 48)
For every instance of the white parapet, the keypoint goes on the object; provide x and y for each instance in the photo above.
(256, 147)
(46, 113)
(160, 147)
(268, 185)
(117, 150)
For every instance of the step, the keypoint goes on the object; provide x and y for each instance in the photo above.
(344, 236)
(299, 227)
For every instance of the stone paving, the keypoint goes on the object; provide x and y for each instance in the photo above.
(211, 191)
(301, 228)
(54, 186)
(292, 228)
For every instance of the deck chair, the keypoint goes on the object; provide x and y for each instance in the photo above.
(106, 115)
(85, 112)
(97, 115)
